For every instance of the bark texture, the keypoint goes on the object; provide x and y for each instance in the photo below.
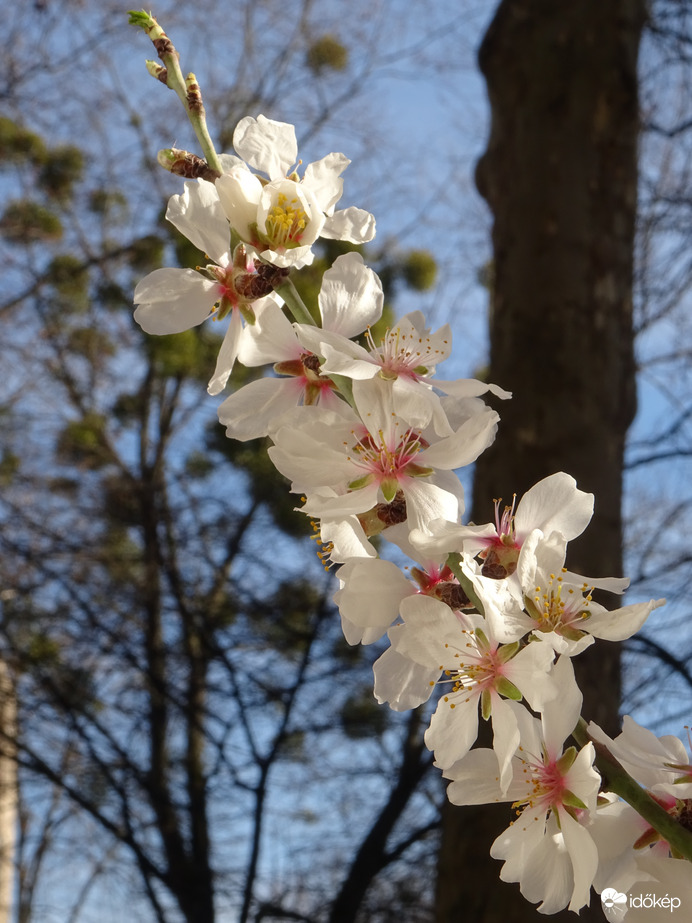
(8, 791)
(560, 176)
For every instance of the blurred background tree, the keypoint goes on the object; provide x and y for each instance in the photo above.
(191, 723)
(195, 740)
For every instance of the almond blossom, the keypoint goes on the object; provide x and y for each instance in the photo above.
(561, 607)
(172, 300)
(478, 671)
(553, 510)
(370, 456)
(548, 848)
(649, 759)
(350, 299)
(281, 219)
(406, 355)
(372, 589)
(662, 766)
(486, 617)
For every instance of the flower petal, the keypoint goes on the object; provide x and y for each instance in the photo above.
(239, 192)
(266, 145)
(271, 338)
(554, 504)
(227, 354)
(199, 215)
(250, 412)
(173, 300)
(351, 296)
(352, 224)
(401, 682)
(323, 177)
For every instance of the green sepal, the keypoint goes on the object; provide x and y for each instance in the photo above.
(482, 640)
(235, 243)
(564, 764)
(506, 651)
(507, 689)
(344, 386)
(361, 482)
(534, 612)
(225, 307)
(570, 800)
(390, 486)
(418, 471)
(255, 234)
(486, 703)
(571, 634)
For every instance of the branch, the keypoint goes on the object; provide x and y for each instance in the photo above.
(372, 856)
(620, 782)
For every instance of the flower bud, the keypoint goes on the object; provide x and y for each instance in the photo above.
(157, 70)
(183, 163)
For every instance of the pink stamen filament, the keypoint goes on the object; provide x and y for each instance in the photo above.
(378, 459)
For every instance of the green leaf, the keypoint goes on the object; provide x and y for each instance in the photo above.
(140, 18)
(62, 168)
(18, 144)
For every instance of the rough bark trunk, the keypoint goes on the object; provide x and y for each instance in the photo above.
(560, 176)
(8, 791)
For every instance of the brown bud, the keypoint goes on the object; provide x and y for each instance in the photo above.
(164, 46)
(391, 514)
(453, 595)
(252, 285)
(194, 95)
(190, 166)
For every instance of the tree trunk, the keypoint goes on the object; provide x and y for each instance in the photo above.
(560, 176)
(8, 791)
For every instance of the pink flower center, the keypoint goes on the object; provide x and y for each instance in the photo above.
(478, 668)
(388, 461)
(406, 354)
(545, 783)
(440, 583)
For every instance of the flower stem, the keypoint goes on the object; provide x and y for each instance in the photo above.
(618, 780)
(187, 90)
(344, 386)
(295, 303)
(454, 564)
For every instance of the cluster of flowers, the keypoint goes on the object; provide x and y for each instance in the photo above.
(485, 617)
